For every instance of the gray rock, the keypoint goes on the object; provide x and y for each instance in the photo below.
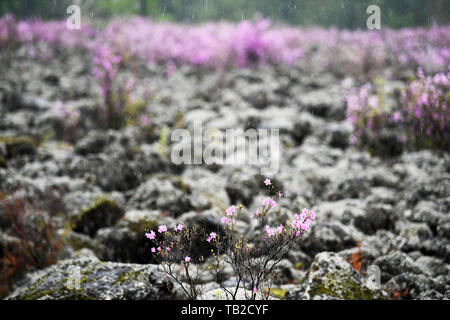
(339, 135)
(443, 230)
(207, 189)
(348, 186)
(162, 194)
(333, 277)
(377, 216)
(303, 126)
(97, 280)
(126, 241)
(344, 210)
(433, 266)
(243, 185)
(79, 241)
(33, 103)
(327, 236)
(324, 103)
(299, 259)
(394, 264)
(18, 146)
(427, 211)
(94, 142)
(109, 173)
(415, 286)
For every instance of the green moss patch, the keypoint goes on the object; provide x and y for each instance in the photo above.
(341, 286)
(102, 213)
(278, 293)
(16, 146)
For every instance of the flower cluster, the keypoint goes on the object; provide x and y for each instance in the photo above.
(254, 264)
(425, 111)
(366, 113)
(245, 44)
(66, 111)
(421, 117)
(70, 116)
(303, 221)
(105, 69)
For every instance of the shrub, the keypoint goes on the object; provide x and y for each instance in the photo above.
(70, 117)
(420, 120)
(106, 65)
(368, 113)
(425, 111)
(254, 264)
(34, 242)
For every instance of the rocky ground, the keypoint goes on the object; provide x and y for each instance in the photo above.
(391, 212)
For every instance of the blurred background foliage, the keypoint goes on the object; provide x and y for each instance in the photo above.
(346, 14)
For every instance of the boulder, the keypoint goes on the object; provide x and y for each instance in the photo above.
(331, 277)
(86, 278)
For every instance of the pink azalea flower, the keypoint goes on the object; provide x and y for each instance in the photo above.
(303, 216)
(212, 235)
(224, 220)
(180, 227)
(255, 290)
(267, 182)
(159, 248)
(168, 249)
(269, 231)
(162, 229)
(208, 239)
(153, 250)
(269, 201)
(280, 228)
(150, 235)
(307, 224)
(312, 215)
(187, 259)
(231, 210)
(279, 194)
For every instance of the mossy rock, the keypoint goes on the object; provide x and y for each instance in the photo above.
(331, 277)
(340, 285)
(86, 278)
(143, 225)
(278, 293)
(17, 146)
(102, 213)
(80, 241)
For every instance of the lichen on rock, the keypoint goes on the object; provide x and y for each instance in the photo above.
(331, 277)
(97, 280)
